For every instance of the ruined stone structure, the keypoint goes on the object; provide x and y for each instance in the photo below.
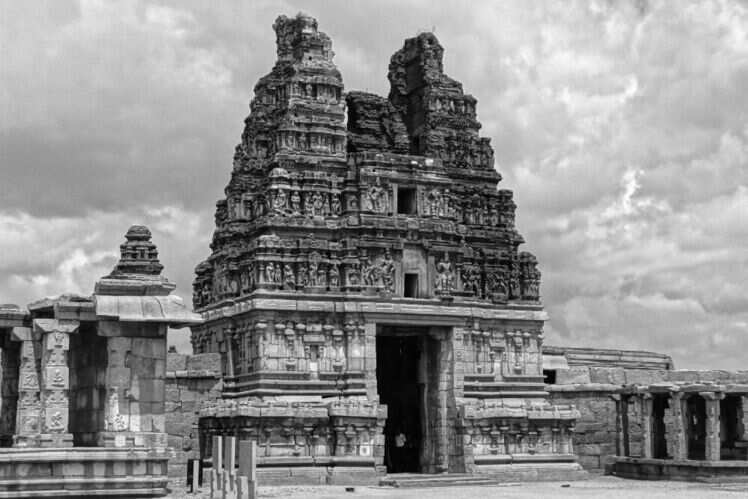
(365, 288)
(690, 430)
(83, 384)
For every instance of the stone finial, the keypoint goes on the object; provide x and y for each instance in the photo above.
(138, 270)
(139, 256)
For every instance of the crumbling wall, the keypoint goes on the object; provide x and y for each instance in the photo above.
(191, 380)
(374, 124)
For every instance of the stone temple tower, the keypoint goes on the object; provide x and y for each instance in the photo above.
(365, 288)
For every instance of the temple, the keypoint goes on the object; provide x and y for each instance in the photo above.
(83, 384)
(365, 289)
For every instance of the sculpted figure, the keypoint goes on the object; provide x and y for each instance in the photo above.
(308, 205)
(369, 273)
(354, 275)
(326, 206)
(289, 278)
(334, 276)
(317, 205)
(336, 208)
(444, 278)
(295, 203)
(303, 275)
(388, 272)
(279, 203)
(471, 280)
(269, 272)
(321, 276)
(313, 274)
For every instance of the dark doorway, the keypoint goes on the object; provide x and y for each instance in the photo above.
(696, 427)
(410, 286)
(731, 431)
(659, 441)
(398, 363)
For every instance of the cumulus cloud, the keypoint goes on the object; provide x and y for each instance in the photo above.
(621, 127)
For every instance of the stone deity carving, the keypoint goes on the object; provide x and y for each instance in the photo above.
(289, 277)
(295, 203)
(388, 272)
(444, 282)
(334, 276)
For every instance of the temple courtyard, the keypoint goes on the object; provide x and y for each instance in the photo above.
(598, 486)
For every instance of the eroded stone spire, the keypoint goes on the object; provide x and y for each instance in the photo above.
(138, 270)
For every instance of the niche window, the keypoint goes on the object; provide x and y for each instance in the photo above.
(549, 376)
(406, 201)
(410, 286)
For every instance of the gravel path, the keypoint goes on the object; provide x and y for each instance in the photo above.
(604, 487)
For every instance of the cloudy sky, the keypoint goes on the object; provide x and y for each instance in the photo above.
(622, 128)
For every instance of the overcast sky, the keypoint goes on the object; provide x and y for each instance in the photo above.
(622, 128)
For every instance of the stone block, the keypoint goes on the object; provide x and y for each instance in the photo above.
(118, 377)
(176, 362)
(644, 376)
(210, 362)
(575, 375)
(607, 375)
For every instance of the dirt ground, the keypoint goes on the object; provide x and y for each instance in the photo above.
(604, 487)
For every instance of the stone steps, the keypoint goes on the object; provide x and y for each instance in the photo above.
(447, 480)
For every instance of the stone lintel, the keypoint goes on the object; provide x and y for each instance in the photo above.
(455, 313)
(46, 326)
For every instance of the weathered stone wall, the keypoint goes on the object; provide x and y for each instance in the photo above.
(191, 380)
(88, 361)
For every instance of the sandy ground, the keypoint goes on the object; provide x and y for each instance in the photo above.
(604, 487)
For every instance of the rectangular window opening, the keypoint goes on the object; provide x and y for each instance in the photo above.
(549, 376)
(406, 201)
(410, 286)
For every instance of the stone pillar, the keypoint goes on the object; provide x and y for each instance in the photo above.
(676, 430)
(622, 424)
(744, 417)
(370, 360)
(619, 424)
(29, 412)
(712, 399)
(646, 409)
(55, 344)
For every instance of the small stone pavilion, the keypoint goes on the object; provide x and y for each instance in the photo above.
(83, 384)
(689, 431)
(365, 288)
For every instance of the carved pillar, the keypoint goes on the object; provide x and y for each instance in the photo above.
(712, 399)
(646, 408)
(676, 433)
(29, 412)
(55, 343)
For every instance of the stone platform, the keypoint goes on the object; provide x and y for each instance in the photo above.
(82, 471)
(689, 470)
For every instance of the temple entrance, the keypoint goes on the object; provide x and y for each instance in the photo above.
(696, 427)
(406, 376)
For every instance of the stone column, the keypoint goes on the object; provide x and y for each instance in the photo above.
(55, 343)
(619, 424)
(712, 399)
(29, 412)
(646, 408)
(744, 417)
(676, 431)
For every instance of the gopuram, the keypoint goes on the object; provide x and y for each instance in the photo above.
(365, 288)
(83, 384)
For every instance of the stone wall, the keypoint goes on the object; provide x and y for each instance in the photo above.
(191, 380)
